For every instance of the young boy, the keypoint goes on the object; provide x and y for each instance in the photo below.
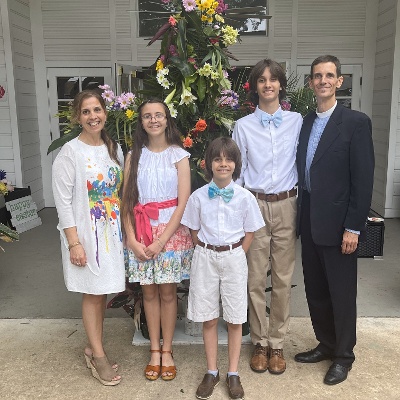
(222, 217)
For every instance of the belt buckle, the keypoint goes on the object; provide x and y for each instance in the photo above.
(214, 247)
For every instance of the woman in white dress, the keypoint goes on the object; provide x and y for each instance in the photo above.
(87, 175)
(159, 248)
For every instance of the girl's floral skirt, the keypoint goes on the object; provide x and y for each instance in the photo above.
(171, 266)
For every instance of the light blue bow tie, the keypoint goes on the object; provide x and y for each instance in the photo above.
(276, 119)
(214, 191)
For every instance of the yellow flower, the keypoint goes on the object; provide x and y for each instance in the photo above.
(205, 70)
(203, 4)
(159, 65)
(218, 18)
(3, 188)
(229, 35)
(204, 17)
(129, 113)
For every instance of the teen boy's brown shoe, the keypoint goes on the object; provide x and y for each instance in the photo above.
(207, 385)
(235, 388)
(259, 359)
(277, 364)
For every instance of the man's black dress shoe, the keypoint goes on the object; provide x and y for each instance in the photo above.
(312, 356)
(336, 373)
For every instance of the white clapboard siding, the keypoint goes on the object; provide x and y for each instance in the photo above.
(5, 140)
(320, 19)
(76, 30)
(124, 52)
(282, 18)
(123, 19)
(282, 50)
(25, 96)
(78, 52)
(381, 104)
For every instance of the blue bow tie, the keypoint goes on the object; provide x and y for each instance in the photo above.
(214, 191)
(276, 119)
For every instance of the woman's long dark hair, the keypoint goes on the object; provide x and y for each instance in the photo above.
(130, 195)
(76, 112)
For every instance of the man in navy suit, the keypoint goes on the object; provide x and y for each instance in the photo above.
(335, 161)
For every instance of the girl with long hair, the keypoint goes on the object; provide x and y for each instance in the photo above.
(159, 249)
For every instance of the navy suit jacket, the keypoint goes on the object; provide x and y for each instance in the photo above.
(341, 175)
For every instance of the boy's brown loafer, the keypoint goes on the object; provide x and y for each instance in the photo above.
(235, 388)
(207, 385)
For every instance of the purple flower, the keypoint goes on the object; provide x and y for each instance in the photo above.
(285, 105)
(173, 50)
(3, 174)
(229, 98)
(222, 7)
(189, 5)
(108, 95)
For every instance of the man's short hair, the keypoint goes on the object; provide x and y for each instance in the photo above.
(325, 59)
(276, 71)
(226, 146)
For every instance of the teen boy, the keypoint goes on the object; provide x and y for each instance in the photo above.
(267, 140)
(222, 217)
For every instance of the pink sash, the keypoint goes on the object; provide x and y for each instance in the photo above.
(143, 213)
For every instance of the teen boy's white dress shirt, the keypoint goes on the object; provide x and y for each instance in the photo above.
(268, 153)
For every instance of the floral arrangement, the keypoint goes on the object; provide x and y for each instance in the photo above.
(5, 185)
(193, 76)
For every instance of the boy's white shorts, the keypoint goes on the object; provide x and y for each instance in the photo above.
(214, 274)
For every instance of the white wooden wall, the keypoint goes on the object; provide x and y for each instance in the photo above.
(7, 162)
(385, 114)
(25, 98)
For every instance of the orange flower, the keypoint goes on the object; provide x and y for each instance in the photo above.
(172, 21)
(203, 164)
(187, 142)
(201, 125)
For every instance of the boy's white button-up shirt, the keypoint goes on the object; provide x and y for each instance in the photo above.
(268, 153)
(221, 223)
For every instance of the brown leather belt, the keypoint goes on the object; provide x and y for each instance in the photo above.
(220, 248)
(275, 197)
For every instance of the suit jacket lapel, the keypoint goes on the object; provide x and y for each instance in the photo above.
(331, 132)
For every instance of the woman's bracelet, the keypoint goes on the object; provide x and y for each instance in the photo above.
(73, 245)
(160, 243)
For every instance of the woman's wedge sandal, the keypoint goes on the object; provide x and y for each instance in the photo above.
(103, 372)
(168, 373)
(89, 357)
(155, 369)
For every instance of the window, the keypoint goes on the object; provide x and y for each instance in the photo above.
(248, 16)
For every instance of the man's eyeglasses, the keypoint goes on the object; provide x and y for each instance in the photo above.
(157, 117)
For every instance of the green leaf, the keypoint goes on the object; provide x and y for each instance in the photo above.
(181, 39)
(55, 144)
(186, 68)
(201, 88)
(8, 233)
